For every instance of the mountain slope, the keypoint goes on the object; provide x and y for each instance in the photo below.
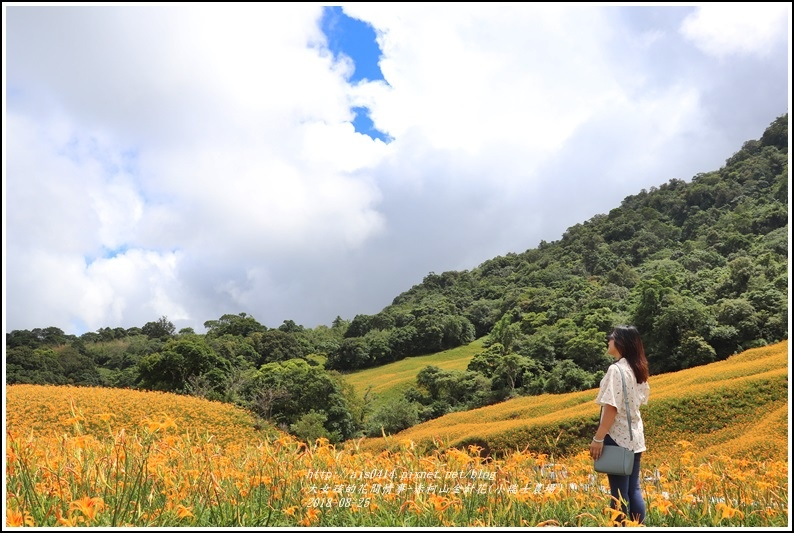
(700, 267)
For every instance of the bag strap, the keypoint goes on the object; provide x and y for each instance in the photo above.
(626, 398)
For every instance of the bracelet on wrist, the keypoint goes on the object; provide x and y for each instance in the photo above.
(596, 440)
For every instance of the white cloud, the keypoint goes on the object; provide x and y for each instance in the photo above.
(135, 280)
(468, 78)
(723, 29)
(58, 193)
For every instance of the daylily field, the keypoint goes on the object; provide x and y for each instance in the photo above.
(111, 457)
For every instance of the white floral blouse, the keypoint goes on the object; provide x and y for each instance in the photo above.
(611, 393)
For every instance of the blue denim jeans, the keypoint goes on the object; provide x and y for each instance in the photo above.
(626, 489)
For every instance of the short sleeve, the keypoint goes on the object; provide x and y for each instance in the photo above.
(608, 391)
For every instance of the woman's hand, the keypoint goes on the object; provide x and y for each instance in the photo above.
(596, 448)
(608, 415)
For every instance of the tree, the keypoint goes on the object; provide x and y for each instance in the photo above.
(340, 324)
(276, 345)
(378, 346)
(540, 347)
(454, 388)
(741, 271)
(428, 378)
(359, 326)
(289, 326)
(298, 389)
(37, 337)
(600, 319)
(429, 335)
(78, 369)
(179, 360)
(263, 400)
(53, 336)
(394, 416)
(777, 133)
(566, 376)
(680, 316)
(241, 325)
(38, 366)
(234, 348)
(351, 355)
(482, 315)
(311, 427)
(457, 330)
(649, 295)
(724, 340)
(623, 275)
(740, 314)
(588, 350)
(694, 351)
(402, 341)
(163, 328)
(485, 362)
(21, 337)
(509, 371)
(505, 332)
(323, 340)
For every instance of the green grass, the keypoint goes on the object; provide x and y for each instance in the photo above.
(391, 380)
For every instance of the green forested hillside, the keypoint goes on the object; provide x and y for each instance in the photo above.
(699, 266)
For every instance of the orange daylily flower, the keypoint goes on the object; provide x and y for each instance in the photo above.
(183, 512)
(68, 521)
(88, 506)
(663, 505)
(726, 511)
(311, 515)
(615, 514)
(18, 519)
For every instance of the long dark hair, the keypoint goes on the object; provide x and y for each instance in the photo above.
(629, 344)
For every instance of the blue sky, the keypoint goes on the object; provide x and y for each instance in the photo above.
(296, 162)
(353, 39)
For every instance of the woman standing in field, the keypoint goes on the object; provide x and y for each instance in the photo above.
(625, 345)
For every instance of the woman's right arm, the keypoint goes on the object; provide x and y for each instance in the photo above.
(607, 419)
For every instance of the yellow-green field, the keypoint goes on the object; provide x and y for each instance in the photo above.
(717, 437)
(390, 381)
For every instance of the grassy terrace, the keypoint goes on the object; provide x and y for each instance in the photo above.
(390, 381)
